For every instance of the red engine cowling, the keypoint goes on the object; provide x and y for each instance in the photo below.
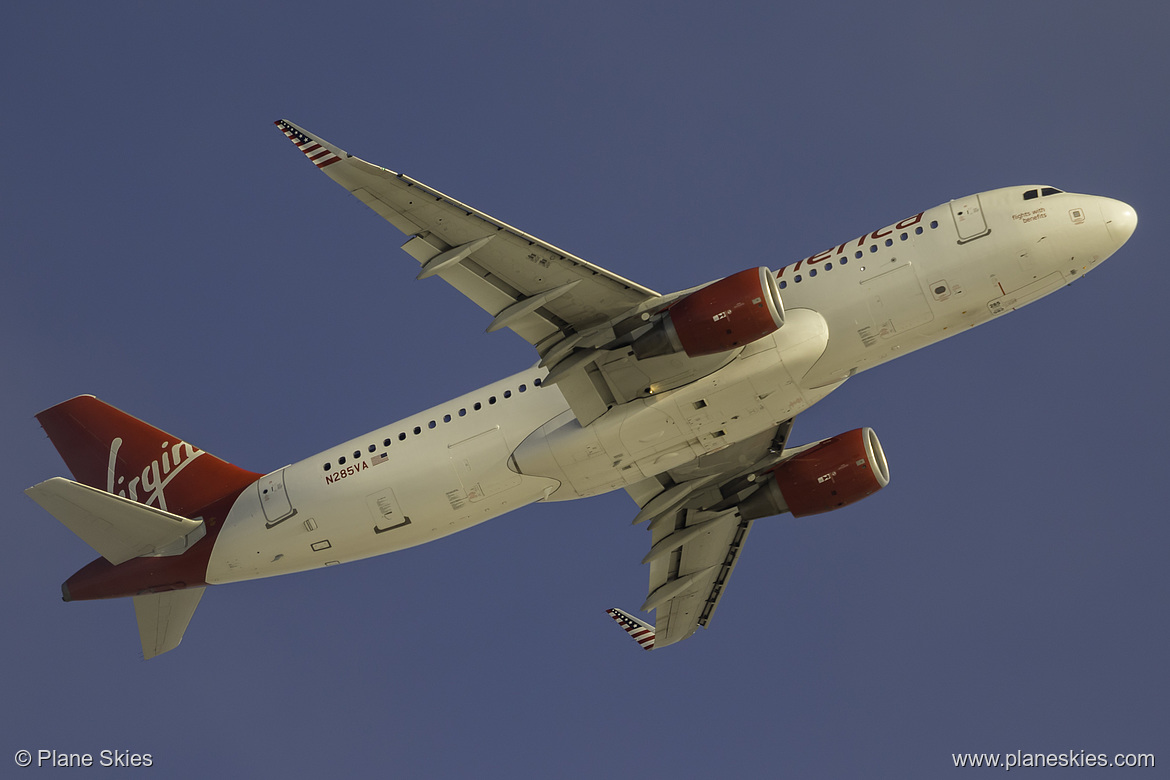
(837, 472)
(723, 315)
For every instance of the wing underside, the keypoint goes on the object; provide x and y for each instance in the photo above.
(528, 285)
(697, 534)
(699, 551)
(580, 317)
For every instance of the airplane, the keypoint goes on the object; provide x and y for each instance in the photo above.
(685, 400)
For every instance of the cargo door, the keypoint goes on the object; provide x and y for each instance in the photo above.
(481, 464)
(896, 304)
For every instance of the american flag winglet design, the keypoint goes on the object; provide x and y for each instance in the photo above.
(642, 633)
(318, 154)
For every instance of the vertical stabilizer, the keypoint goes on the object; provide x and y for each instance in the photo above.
(110, 450)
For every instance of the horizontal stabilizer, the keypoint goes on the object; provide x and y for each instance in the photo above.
(640, 631)
(163, 617)
(118, 528)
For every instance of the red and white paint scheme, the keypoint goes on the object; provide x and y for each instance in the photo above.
(684, 400)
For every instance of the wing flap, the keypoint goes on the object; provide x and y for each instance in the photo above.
(693, 558)
(163, 618)
(118, 528)
(697, 533)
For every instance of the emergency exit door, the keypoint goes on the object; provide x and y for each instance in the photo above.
(274, 499)
(969, 219)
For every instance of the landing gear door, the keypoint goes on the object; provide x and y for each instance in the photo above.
(969, 219)
(274, 499)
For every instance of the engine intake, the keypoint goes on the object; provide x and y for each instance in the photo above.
(835, 473)
(724, 315)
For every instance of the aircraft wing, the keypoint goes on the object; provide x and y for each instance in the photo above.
(580, 317)
(694, 554)
(696, 536)
(541, 292)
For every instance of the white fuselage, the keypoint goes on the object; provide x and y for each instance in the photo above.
(849, 308)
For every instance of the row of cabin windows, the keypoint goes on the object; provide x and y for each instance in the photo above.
(856, 255)
(357, 454)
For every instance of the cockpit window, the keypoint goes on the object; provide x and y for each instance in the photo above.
(1032, 194)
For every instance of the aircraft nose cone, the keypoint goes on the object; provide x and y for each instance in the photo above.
(1120, 219)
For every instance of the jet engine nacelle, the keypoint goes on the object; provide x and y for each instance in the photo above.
(724, 315)
(828, 476)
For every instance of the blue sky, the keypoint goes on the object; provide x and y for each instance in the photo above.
(168, 250)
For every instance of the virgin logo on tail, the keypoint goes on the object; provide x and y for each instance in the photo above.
(156, 476)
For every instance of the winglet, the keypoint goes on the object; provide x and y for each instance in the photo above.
(319, 152)
(639, 631)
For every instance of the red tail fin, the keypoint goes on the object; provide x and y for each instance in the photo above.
(108, 449)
